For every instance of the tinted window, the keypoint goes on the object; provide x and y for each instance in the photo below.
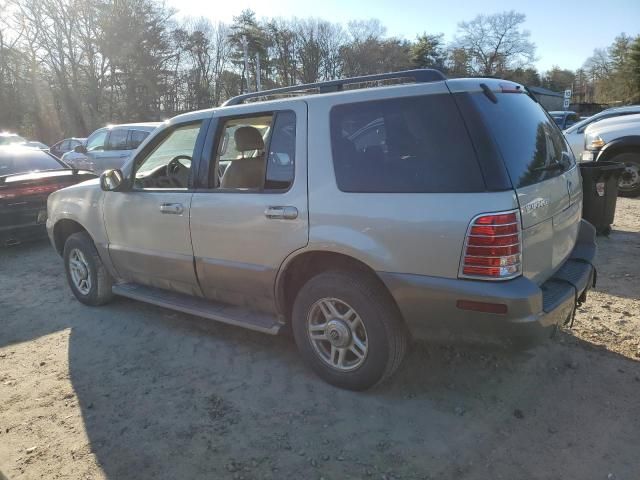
(282, 152)
(415, 144)
(117, 140)
(18, 160)
(136, 137)
(531, 145)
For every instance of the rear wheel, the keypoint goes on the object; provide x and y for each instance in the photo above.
(87, 276)
(629, 184)
(348, 329)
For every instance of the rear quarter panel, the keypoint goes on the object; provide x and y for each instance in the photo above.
(418, 233)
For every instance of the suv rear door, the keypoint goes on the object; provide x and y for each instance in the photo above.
(543, 172)
(250, 210)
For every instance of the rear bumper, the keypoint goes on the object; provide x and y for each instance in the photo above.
(429, 304)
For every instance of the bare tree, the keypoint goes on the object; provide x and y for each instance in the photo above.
(283, 50)
(496, 43)
(331, 37)
(308, 50)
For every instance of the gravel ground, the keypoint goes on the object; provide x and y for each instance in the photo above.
(134, 391)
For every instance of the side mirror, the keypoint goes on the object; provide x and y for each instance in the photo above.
(80, 149)
(111, 180)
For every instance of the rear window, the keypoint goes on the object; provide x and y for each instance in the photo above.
(527, 138)
(413, 144)
(22, 160)
(11, 139)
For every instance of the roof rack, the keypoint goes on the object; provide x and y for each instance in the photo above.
(423, 75)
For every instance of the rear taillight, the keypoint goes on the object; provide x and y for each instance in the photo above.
(17, 192)
(493, 247)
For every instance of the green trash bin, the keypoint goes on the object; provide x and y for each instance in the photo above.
(600, 193)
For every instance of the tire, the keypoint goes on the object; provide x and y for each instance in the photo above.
(375, 322)
(629, 185)
(98, 287)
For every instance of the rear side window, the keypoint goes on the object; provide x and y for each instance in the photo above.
(282, 152)
(413, 144)
(136, 137)
(117, 140)
(530, 144)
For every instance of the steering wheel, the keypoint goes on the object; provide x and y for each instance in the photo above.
(178, 171)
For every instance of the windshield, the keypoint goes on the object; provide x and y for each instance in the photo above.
(21, 160)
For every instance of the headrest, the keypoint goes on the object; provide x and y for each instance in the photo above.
(248, 138)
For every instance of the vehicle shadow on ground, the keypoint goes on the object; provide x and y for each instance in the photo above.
(617, 274)
(166, 395)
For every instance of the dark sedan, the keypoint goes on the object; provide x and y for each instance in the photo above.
(27, 177)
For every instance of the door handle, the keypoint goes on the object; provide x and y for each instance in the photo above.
(172, 208)
(281, 212)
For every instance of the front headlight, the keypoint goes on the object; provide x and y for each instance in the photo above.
(593, 142)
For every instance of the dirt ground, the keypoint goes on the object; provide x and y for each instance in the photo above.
(131, 391)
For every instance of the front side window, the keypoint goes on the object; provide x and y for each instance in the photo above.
(256, 153)
(97, 140)
(168, 164)
(117, 140)
(413, 144)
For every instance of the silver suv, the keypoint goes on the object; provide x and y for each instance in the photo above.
(108, 147)
(358, 217)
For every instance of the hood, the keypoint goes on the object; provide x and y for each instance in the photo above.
(615, 123)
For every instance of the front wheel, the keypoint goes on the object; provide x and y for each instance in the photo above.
(87, 276)
(348, 329)
(629, 183)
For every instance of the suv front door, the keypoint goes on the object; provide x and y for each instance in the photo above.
(251, 210)
(148, 225)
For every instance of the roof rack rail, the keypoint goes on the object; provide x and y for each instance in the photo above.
(423, 75)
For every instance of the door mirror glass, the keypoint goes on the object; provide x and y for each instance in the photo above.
(80, 149)
(111, 180)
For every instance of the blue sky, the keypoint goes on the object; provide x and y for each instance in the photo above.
(565, 32)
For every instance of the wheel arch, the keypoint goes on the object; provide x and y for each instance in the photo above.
(62, 230)
(630, 143)
(298, 269)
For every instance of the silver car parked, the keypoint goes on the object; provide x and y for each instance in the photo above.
(108, 147)
(359, 218)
